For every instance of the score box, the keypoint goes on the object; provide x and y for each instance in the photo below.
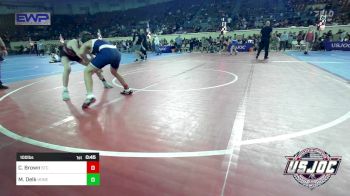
(58, 169)
(93, 173)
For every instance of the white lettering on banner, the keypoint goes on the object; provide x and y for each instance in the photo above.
(328, 14)
(33, 18)
(340, 45)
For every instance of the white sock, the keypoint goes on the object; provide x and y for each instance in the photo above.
(90, 96)
(65, 88)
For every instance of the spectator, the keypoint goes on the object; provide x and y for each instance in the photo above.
(178, 43)
(35, 49)
(3, 53)
(189, 16)
(157, 44)
(329, 36)
(41, 49)
(343, 35)
(284, 41)
(275, 40)
(300, 37)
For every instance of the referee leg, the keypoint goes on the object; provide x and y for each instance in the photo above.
(266, 46)
(261, 45)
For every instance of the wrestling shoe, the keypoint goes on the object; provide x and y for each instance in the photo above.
(107, 84)
(2, 87)
(65, 95)
(88, 102)
(127, 92)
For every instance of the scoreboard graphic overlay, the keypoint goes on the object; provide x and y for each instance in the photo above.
(58, 169)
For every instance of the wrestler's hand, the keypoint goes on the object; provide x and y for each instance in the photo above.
(84, 62)
(99, 71)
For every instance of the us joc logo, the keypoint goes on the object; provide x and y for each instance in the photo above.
(312, 167)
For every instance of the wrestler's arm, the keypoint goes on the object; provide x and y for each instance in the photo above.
(84, 50)
(3, 49)
(73, 44)
(2, 45)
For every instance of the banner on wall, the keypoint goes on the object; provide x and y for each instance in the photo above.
(243, 47)
(345, 46)
(240, 48)
(33, 18)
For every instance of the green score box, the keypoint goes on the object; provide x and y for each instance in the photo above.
(93, 180)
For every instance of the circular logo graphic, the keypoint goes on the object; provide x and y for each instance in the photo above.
(312, 167)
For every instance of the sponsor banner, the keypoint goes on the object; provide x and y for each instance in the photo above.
(242, 47)
(337, 46)
(33, 18)
(165, 49)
